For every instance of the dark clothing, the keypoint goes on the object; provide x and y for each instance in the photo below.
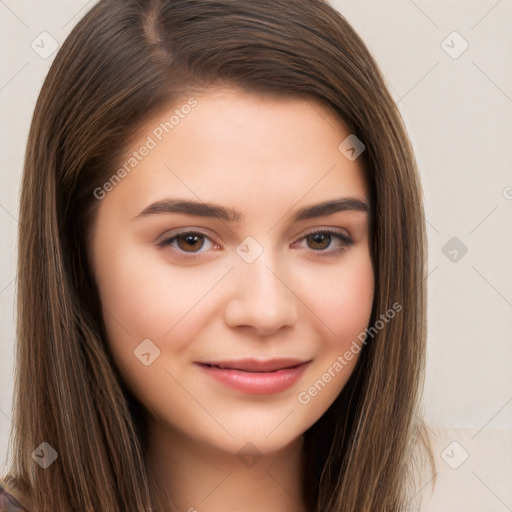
(8, 502)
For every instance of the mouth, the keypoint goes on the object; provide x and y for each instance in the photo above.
(255, 365)
(256, 377)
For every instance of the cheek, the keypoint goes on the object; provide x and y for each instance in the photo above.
(135, 296)
(343, 298)
(143, 297)
(342, 312)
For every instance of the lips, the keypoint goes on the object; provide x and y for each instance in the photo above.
(255, 365)
(255, 376)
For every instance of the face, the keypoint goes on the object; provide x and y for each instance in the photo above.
(239, 237)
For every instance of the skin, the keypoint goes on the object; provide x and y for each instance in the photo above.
(266, 158)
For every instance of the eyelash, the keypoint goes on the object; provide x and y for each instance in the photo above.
(345, 240)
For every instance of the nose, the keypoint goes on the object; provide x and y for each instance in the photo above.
(261, 298)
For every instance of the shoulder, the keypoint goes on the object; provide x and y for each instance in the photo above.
(8, 503)
(11, 498)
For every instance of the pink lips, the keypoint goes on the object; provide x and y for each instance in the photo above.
(256, 376)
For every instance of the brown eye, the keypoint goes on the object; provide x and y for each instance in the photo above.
(323, 242)
(190, 242)
(319, 240)
(193, 243)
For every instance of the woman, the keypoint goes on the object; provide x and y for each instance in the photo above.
(285, 354)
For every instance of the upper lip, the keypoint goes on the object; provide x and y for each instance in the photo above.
(257, 365)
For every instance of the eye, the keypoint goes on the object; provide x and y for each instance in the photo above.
(321, 240)
(189, 242)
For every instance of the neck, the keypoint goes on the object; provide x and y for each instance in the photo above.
(199, 477)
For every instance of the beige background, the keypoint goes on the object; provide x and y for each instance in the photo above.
(458, 111)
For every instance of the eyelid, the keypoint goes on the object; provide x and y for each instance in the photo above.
(191, 229)
(172, 233)
(326, 229)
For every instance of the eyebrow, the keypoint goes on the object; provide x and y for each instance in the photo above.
(212, 210)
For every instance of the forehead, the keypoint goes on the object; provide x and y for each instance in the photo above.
(239, 148)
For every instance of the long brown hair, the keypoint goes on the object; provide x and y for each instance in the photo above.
(124, 62)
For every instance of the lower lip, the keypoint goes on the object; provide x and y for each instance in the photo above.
(263, 383)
